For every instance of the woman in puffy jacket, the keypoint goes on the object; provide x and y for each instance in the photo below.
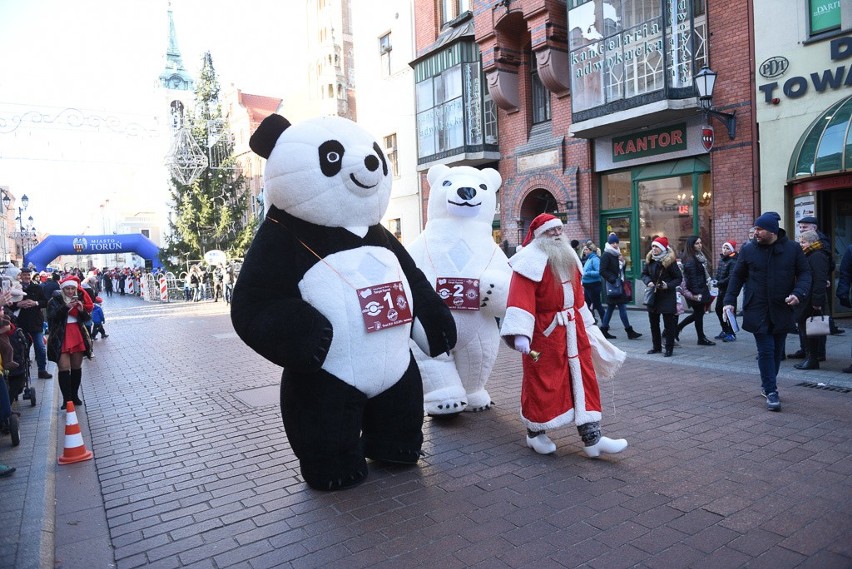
(592, 278)
(662, 274)
(696, 273)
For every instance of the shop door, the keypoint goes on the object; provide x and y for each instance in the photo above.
(840, 232)
(620, 225)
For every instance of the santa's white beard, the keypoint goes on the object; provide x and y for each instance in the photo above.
(559, 256)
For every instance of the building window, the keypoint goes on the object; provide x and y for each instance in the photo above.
(540, 95)
(146, 233)
(628, 49)
(395, 227)
(824, 16)
(385, 48)
(452, 9)
(390, 152)
(489, 111)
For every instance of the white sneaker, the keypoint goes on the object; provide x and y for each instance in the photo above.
(605, 446)
(541, 444)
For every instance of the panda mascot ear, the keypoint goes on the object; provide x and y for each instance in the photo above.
(264, 138)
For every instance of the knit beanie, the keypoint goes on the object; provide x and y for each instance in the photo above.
(612, 239)
(768, 222)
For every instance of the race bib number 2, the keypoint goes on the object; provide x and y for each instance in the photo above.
(459, 293)
(384, 306)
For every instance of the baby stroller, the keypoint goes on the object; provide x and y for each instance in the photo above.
(19, 378)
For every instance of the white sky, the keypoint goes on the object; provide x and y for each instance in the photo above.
(103, 57)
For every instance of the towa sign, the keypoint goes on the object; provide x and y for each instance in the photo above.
(797, 86)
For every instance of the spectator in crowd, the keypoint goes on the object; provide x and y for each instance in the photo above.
(809, 223)
(51, 285)
(843, 285)
(723, 275)
(612, 269)
(592, 278)
(31, 318)
(696, 274)
(817, 297)
(98, 320)
(778, 278)
(662, 275)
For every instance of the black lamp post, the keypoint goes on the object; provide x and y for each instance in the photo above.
(705, 81)
(7, 202)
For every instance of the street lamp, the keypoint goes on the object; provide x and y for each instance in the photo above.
(7, 202)
(705, 81)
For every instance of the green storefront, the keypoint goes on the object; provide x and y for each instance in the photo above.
(654, 183)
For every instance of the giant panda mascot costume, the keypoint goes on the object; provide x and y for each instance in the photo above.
(330, 295)
(471, 273)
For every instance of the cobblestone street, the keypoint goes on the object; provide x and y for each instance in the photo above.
(192, 468)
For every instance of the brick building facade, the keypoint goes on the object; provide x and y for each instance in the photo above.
(598, 120)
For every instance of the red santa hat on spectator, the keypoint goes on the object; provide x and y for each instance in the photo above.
(69, 280)
(661, 242)
(730, 244)
(539, 225)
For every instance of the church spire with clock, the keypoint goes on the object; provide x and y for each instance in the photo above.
(175, 76)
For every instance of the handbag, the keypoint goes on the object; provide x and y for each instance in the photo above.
(817, 326)
(615, 290)
(628, 291)
(650, 295)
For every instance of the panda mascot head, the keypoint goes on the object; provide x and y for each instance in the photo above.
(327, 171)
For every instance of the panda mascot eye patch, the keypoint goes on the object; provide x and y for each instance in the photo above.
(331, 157)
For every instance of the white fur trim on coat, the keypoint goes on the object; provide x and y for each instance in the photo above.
(518, 322)
(529, 262)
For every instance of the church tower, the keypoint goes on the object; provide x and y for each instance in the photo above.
(178, 84)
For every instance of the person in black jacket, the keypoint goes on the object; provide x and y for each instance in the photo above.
(817, 300)
(662, 274)
(723, 275)
(31, 318)
(843, 285)
(612, 269)
(778, 278)
(696, 273)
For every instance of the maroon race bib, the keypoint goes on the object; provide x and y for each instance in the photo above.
(384, 305)
(458, 292)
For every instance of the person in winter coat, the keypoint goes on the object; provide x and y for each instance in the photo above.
(67, 344)
(612, 269)
(843, 285)
(662, 274)
(696, 273)
(723, 276)
(31, 319)
(778, 278)
(592, 279)
(817, 301)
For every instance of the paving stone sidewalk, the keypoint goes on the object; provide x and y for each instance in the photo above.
(192, 468)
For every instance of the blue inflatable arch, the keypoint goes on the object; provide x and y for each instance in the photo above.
(55, 245)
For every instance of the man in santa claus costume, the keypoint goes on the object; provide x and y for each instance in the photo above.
(565, 353)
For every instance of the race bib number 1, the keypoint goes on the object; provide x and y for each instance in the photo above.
(384, 305)
(458, 292)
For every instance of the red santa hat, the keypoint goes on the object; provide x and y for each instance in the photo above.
(661, 242)
(539, 225)
(730, 244)
(69, 280)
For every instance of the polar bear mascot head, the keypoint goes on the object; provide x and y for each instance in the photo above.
(463, 192)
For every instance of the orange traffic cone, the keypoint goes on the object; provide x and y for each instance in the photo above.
(75, 448)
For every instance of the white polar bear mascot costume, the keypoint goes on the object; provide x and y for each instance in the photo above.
(471, 273)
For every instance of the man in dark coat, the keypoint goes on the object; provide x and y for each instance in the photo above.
(778, 278)
(31, 318)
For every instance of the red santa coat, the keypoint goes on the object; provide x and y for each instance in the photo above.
(562, 387)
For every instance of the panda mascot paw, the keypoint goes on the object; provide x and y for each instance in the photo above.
(327, 293)
(471, 274)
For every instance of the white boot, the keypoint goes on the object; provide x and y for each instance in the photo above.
(541, 444)
(605, 446)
